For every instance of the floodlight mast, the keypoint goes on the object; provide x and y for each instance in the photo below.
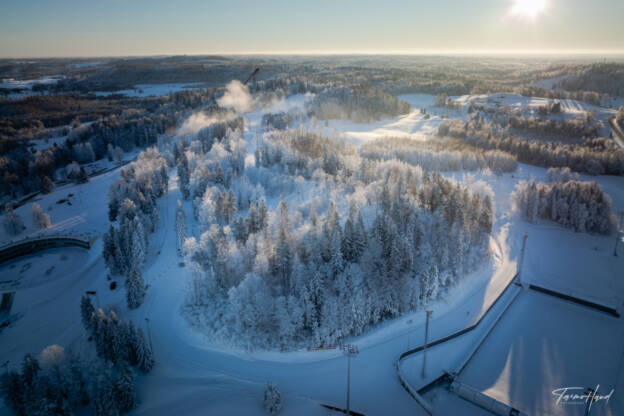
(349, 350)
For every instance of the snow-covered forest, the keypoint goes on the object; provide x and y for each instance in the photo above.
(132, 205)
(448, 155)
(206, 240)
(63, 382)
(582, 206)
(596, 156)
(276, 265)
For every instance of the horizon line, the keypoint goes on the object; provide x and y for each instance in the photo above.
(447, 52)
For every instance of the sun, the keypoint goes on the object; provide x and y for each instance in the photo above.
(528, 8)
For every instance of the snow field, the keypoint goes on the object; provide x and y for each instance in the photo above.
(566, 345)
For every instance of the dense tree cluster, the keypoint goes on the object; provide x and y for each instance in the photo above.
(560, 128)
(61, 382)
(607, 77)
(590, 97)
(594, 156)
(561, 175)
(116, 340)
(22, 171)
(307, 274)
(361, 103)
(439, 155)
(582, 206)
(278, 121)
(217, 130)
(301, 152)
(132, 205)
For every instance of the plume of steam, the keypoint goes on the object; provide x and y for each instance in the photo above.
(236, 97)
(199, 120)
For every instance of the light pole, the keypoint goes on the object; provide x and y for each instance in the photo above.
(524, 239)
(408, 334)
(349, 350)
(617, 233)
(149, 334)
(429, 312)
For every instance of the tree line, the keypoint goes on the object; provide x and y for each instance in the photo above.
(63, 382)
(597, 156)
(439, 155)
(133, 215)
(582, 206)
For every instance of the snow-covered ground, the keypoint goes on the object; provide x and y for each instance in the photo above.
(42, 144)
(413, 125)
(156, 90)
(543, 344)
(570, 108)
(26, 85)
(72, 208)
(195, 376)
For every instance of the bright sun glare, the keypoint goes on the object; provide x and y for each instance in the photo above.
(528, 8)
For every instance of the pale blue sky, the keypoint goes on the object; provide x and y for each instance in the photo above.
(31, 28)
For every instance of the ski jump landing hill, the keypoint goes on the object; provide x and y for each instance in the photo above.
(28, 246)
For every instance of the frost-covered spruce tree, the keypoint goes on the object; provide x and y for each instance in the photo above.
(144, 352)
(272, 399)
(104, 400)
(180, 224)
(47, 185)
(12, 391)
(135, 289)
(124, 394)
(183, 175)
(110, 250)
(12, 222)
(86, 312)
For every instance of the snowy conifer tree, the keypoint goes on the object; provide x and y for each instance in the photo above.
(135, 289)
(86, 312)
(180, 224)
(13, 223)
(144, 352)
(124, 394)
(272, 399)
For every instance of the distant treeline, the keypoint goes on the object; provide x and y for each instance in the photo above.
(596, 156)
